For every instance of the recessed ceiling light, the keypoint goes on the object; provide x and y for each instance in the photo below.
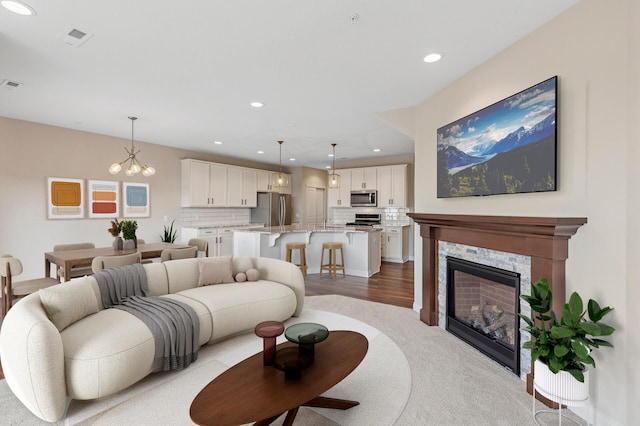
(377, 150)
(260, 152)
(19, 7)
(292, 159)
(327, 167)
(330, 155)
(257, 104)
(433, 57)
(217, 142)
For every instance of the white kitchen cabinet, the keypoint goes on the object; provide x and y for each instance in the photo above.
(203, 184)
(340, 197)
(224, 243)
(220, 239)
(263, 178)
(395, 244)
(242, 188)
(392, 186)
(364, 178)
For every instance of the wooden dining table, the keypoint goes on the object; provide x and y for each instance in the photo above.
(69, 259)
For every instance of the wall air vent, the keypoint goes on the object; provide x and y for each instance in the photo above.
(75, 37)
(10, 85)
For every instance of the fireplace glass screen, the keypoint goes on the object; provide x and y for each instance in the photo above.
(482, 309)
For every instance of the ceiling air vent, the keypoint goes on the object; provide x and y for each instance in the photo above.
(75, 37)
(10, 85)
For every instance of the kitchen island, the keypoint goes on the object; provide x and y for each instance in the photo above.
(361, 246)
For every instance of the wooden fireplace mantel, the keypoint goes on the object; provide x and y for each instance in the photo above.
(544, 239)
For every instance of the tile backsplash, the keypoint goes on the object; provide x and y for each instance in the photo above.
(194, 217)
(389, 215)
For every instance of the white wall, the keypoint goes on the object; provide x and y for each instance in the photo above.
(593, 49)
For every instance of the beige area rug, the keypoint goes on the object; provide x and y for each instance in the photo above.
(165, 398)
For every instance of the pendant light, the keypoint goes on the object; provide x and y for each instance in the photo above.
(279, 179)
(334, 179)
(134, 165)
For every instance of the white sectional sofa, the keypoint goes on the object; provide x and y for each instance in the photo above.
(102, 351)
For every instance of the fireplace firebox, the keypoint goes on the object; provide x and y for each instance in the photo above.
(483, 304)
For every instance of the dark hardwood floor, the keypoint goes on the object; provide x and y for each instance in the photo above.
(393, 286)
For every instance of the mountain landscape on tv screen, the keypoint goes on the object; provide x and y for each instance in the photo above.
(482, 154)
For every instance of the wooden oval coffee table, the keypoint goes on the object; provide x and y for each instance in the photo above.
(251, 392)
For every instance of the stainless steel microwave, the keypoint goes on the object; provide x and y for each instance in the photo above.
(365, 198)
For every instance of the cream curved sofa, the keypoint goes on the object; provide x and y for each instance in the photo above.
(109, 349)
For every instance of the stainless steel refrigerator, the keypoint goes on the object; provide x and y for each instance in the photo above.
(273, 209)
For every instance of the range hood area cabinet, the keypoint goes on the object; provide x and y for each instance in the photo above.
(364, 178)
(389, 181)
(206, 184)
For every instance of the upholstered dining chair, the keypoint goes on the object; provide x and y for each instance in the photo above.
(103, 262)
(12, 267)
(75, 272)
(203, 245)
(178, 253)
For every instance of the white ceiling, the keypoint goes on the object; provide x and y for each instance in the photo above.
(189, 69)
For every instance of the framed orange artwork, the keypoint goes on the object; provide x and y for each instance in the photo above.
(65, 198)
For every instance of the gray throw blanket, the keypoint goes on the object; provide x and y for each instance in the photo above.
(174, 325)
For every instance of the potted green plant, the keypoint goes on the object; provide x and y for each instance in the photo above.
(169, 235)
(129, 228)
(116, 228)
(561, 349)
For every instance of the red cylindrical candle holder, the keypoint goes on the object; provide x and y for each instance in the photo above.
(269, 330)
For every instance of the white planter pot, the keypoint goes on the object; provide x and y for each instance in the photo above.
(562, 388)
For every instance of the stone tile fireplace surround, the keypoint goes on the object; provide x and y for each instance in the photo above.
(541, 242)
(498, 259)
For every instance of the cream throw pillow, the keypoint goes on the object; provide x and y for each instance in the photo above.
(69, 302)
(215, 270)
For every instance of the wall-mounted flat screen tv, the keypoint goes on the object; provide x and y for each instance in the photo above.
(506, 148)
